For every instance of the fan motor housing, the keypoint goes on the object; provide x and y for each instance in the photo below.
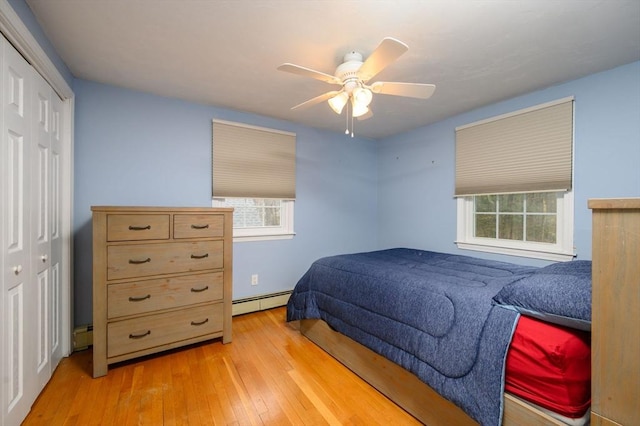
(347, 72)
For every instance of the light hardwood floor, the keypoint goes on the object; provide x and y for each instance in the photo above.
(268, 375)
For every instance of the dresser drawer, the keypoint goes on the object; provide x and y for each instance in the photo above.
(134, 227)
(155, 330)
(141, 297)
(198, 225)
(140, 260)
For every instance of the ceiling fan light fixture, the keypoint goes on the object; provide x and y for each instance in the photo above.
(362, 96)
(358, 108)
(354, 76)
(338, 102)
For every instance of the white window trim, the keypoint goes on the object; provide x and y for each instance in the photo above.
(282, 232)
(562, 251)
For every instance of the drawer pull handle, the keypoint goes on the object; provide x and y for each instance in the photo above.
(139, 228)
(139, 336)
(139, 262)
(199, 290)
(199, 256)
(200, 226)
(201, 322)
(139, 299)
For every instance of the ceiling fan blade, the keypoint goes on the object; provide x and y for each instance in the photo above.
(317, 99)
(387, 51)
(411, 90)
(308, 72)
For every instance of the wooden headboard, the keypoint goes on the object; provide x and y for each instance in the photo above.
(615, 327)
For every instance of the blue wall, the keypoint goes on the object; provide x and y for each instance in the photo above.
(133, 148)
(352, 194)
(417, 169)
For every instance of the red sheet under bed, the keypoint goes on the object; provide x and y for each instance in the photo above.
(550, 365)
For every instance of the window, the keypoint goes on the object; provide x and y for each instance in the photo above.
(254, 172)
(537, 225)
(257, 219)
(513, 182)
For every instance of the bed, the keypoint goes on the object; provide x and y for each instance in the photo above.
(432, 331)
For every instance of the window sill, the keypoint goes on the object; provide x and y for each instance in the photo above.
(247, 238)
(521, 252)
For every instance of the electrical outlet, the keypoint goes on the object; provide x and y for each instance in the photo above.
(254, 279)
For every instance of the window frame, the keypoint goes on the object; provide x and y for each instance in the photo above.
(562, 250)
(283, 232)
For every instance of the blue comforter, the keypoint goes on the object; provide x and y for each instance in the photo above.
(429, 312)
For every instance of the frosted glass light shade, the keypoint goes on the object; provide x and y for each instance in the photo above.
(359, 109)
(362, 96)
(338, 102)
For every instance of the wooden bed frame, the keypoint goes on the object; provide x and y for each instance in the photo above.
(405, 389)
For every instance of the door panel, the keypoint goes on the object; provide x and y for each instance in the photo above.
(15, 348)
(40, 223)
(18, 277)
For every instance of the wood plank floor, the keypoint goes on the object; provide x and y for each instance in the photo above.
(268, 375)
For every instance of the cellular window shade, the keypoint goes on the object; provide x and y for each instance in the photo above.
(253, 162)
(530, 151)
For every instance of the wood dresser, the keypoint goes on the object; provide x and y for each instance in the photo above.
(162, 278)
(615, 339)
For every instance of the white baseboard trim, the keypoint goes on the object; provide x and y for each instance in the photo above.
(260, 303)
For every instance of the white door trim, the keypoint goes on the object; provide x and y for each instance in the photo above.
(18, 34)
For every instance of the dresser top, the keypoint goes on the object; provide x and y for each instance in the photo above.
(148, 209)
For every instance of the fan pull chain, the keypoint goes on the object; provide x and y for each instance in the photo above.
(351, 125)
(346, 132)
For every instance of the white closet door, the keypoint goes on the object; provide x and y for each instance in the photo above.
(19, 287)
(40, 224)
(55, 198)
(35, 220)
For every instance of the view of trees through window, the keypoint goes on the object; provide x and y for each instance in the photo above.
(522, 217)
(255, 212)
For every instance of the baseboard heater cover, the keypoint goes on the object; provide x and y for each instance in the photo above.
(82, 337)
(260, 303)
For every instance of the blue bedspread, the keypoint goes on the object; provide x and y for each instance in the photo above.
(429, 312)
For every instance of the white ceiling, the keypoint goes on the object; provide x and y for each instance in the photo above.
(225, 52)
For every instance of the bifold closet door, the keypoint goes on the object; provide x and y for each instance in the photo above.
(31, 241)
(55, 231)
(20, 293)
(41, 225)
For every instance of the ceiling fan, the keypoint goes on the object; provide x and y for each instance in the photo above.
(354, 75)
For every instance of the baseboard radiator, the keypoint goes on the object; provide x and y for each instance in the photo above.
(83, 335)
(260, 303)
